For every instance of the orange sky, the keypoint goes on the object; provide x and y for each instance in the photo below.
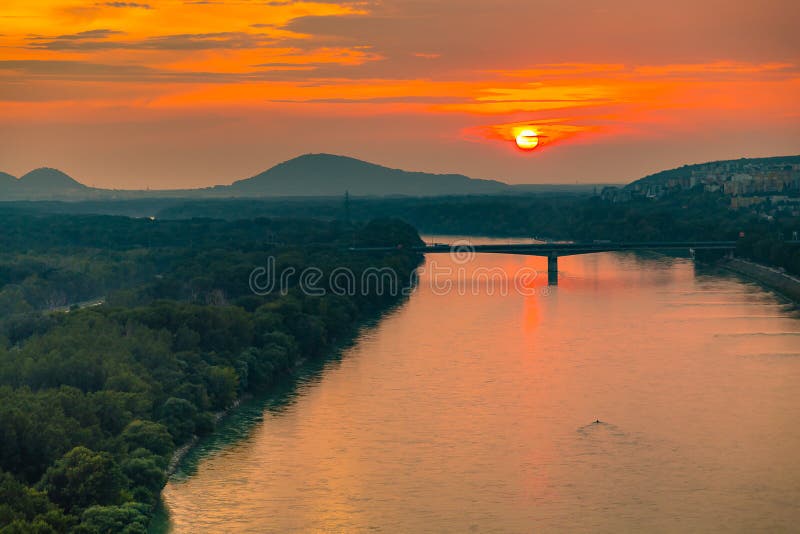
(182, 93)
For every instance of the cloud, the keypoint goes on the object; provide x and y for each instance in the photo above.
(61, 69)
(716, 67)
(374, 100)
(204, 41)
(99, 40)
(472, 35)
(64, 70)
(127, 5)
(425, 55)
(80, 36)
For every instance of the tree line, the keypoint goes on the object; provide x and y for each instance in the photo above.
(762, 233)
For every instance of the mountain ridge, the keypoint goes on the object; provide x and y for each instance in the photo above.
(307, 175)
(319, 175)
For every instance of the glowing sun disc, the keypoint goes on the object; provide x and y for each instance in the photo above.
(527, 140)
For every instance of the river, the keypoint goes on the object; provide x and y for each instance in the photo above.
(474, 411)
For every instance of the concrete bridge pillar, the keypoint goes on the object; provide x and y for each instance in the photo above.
(552, 269)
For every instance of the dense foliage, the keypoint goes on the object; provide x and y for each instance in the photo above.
(94, 401)
(688, 215)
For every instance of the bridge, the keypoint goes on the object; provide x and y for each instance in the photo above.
(553, 250)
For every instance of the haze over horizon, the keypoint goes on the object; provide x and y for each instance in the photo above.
(171, 94)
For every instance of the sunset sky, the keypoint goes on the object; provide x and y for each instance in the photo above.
(172, 93)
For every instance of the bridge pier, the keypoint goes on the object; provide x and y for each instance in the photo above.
(552, 269)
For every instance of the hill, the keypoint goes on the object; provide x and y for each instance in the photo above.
(47, 179)
(7, 183)
(317, 175)
(330, 175)
(685, 172)
(42, 184)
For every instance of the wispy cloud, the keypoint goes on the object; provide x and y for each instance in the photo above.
(101, 40)
(133, 5)
(80, 36)
(715, 67)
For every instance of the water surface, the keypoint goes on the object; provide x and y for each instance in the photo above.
(475, 412)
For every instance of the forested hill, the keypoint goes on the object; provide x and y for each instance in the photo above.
(731, 166)
(94, 401)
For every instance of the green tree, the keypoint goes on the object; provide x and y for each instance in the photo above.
(178, 416)
(128, 518)
(23, 509)
(221, 383)
(145, 475)
(83, 478)
(147, 435)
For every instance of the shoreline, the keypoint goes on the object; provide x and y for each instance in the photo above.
(159, 522)
(181, 452)
(784, 284)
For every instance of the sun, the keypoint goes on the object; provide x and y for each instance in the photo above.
(527, 140)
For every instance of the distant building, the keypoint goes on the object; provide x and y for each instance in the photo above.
(746, 202)
(616, 194)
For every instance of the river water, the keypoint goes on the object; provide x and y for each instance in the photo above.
(474, 411)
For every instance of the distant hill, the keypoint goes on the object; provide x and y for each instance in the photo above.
(42, 184)
(45, 178)
(329, 175)
(318, 175)
(7, 183)
(732, 165)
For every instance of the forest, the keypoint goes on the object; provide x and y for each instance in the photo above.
(95, 399)
(687, 215)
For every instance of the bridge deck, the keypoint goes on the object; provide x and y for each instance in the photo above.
(565, 249)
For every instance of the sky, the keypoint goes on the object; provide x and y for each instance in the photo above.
(191, 93)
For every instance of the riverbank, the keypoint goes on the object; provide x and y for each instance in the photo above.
(771, 277)
(248, 409)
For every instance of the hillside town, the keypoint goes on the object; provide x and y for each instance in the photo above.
(772, 183)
